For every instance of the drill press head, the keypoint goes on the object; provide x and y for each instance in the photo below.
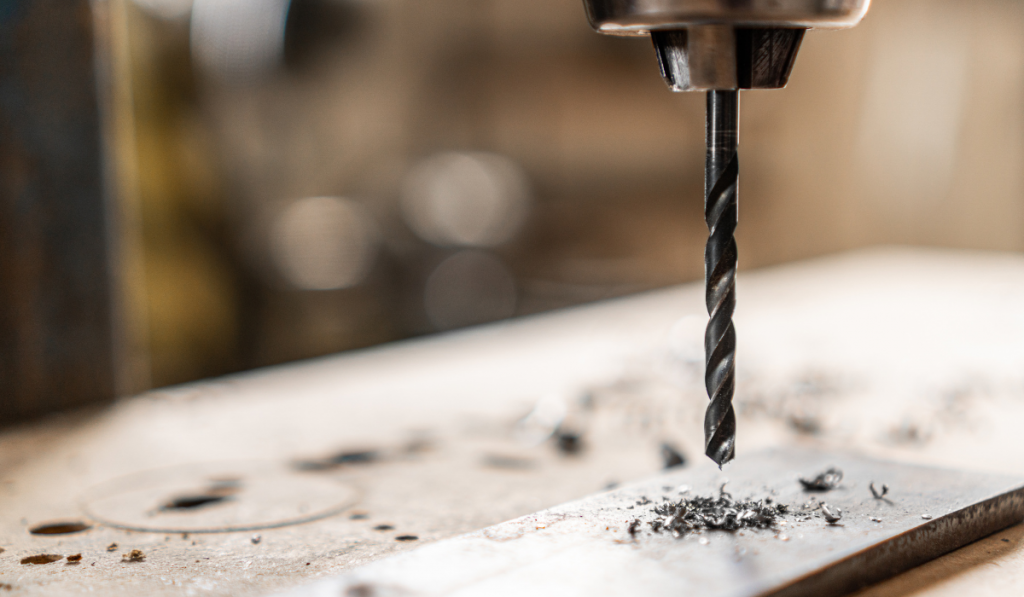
(705, 45)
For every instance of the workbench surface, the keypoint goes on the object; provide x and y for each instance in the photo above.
(910, 355)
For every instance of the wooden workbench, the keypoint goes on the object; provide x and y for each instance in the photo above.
(913, 355)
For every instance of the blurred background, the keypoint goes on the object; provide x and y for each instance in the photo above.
(284, 179)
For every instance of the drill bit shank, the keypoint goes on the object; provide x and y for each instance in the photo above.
(721, 185)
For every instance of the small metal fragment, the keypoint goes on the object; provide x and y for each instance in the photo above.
(671, 457)
(634, 527)
(926, 516)
(825, 481)
(833, 514)
(878, 494)
(134, 556)
(256, 539)
(112, 547)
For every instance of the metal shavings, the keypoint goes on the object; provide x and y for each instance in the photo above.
(873, 519)
(825, 481)
(643, 501)
(875, 492)
(722, 513)
(256, 539)
(833, 514)
(926, 516)
(75, 558)
(134, 555)
(112, 547)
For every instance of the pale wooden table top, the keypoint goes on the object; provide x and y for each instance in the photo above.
(913, 355)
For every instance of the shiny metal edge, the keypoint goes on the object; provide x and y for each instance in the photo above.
(910, 549)
(640, 17)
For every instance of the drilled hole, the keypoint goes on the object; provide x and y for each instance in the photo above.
(191, 502)
(60, 528)
(43, 558)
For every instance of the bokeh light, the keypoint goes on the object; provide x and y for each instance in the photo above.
(324, 243)
(238, 40)
(470, 199)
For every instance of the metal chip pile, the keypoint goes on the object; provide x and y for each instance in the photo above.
(722, 513)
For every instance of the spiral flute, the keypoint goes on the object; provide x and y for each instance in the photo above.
(721, 183)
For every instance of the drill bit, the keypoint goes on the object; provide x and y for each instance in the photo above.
(721, 182)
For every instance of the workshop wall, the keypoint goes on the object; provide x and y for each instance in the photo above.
(321, 175)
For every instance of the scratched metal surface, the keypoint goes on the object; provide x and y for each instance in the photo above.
(584, 547)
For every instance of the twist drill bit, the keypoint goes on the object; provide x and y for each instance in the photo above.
(721, 182)
(722, 46)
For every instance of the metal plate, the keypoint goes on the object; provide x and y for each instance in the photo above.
(584, 548)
